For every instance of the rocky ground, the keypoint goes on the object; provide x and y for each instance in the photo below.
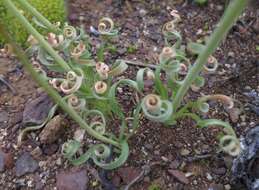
(182, 157)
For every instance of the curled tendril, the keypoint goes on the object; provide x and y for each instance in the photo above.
(100, 87)
(102, 69)
(166, 54)
(198, 83)
(170, 33)
(183, 69)
(69, 32)
(76, 103)
(32, 40)
(98, 153)
(78, 51)
(229, 142)
(72, 83)
(168, 27)
(150, 75)
(96, 119)
(55, 40)
(55, 83)
(204, 107)
(212, 65)
(37, 127)
(36, 65)
(156, 109)
(7, 50)
(98, 127)
(106, 27)
(119, 67)
(176, 16)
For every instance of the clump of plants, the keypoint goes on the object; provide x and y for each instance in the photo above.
(53, 10)
(87, 89)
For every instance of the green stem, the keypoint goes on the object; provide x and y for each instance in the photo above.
(39, 16)
(229, 18)
(36, 34)
(52, 93)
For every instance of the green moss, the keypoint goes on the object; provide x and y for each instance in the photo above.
(154, 187)
(132, 49)
(54, 10)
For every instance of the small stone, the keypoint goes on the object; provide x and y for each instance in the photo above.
(59, 161)
(50, 149)
(146, 179)
(227, 187)
(3, 116)
(195, 182)
(79, 134)
(214, 186)
(149, 146)
(25, 164)
(256, 26)
(228, 160)
(127, 174)
(6, 161)
(209, 177)
(219, 171)
(220, 7)
(116, 180)
(2, 160)
(142, 12)
(231, 54)
(234, 114)
(174, 164)
(180, 176)
(185, 152)
(9, 160)
(36, 153)
(52, 131)
(72, 179)
(36, 111)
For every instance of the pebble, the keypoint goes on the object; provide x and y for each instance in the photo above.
(127, 174)
(175, 164)
(185, 152)
(209, 177)
(142, 12)
(36, 153)
(79, 134)
(25, 164)
(52, 131)
(37, 110)
(219, 171)
(234, 114)
(72, 179)
(214, 186)
(179, 175)
(227, 187)
(2, 161)
(59, 161)
(195, 182)
(3, 116)
(256, 26)
(6, 161)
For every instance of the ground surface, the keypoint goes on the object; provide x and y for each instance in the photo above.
(174, 154)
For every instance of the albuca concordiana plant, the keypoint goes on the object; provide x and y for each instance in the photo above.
(86, 89)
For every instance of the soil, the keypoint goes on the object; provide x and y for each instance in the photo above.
(182, 148)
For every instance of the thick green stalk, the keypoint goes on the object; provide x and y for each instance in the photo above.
(52, 93)
(36, 34)
(230, 16)
(38, 15)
